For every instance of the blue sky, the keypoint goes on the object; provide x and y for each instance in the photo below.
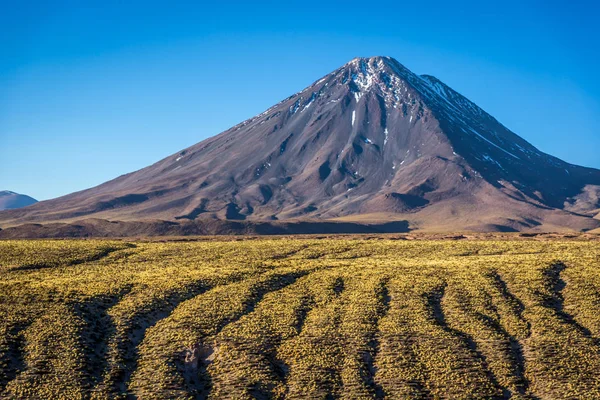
(92, 90)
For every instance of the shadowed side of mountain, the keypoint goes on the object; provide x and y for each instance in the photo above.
(104, 228)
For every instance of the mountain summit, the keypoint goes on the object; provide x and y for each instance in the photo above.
(371, 141)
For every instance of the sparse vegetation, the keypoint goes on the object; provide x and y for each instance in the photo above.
(300, 318)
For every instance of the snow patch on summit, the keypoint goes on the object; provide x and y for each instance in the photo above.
(375, 73)
(363, 79)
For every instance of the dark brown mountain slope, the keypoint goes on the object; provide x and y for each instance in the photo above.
(371, 141)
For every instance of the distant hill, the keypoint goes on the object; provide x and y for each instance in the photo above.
(10, 200)
(370, 142)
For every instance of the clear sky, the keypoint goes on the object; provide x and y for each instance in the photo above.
(92, 90)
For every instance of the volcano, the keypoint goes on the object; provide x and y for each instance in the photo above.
(371, 141)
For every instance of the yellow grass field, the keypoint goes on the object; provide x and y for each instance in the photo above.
(300, 318)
